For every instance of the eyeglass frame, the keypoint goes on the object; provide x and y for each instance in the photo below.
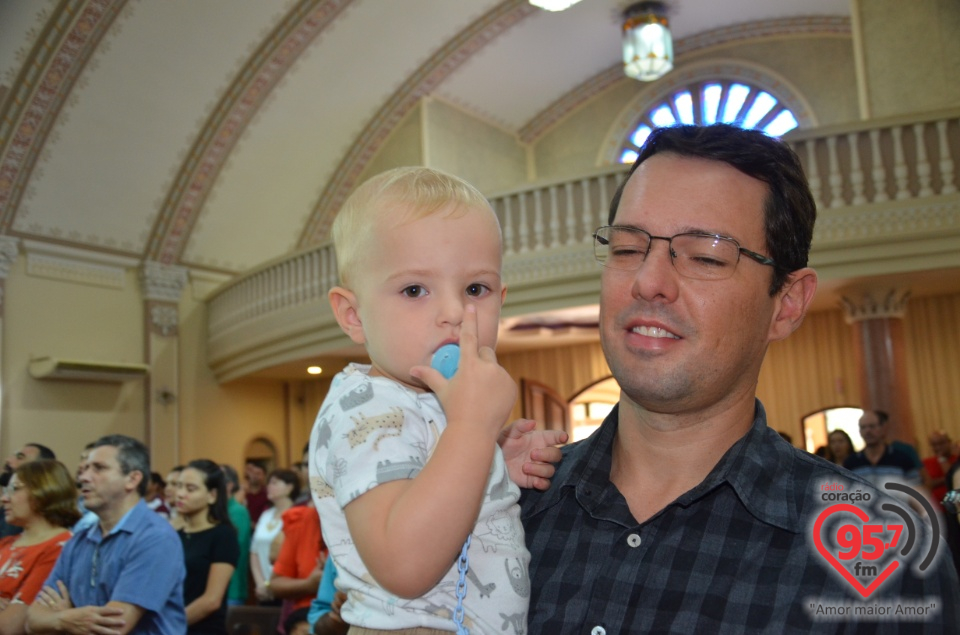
(758, 258)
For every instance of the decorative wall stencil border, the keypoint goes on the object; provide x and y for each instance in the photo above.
(935, 220)
(231, 116)
(44, 266)
(600, 82)
(422, 82)
(47, 76)
(565, 263)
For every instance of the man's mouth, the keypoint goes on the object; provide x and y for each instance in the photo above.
(653, 331)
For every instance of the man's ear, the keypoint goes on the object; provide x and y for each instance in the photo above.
(345, 309)
(792, 303)
(133, 480)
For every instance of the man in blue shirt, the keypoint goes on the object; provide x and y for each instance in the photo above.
(124, 574)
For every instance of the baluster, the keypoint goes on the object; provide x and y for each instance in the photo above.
(538, 227)
(570, 217)
(604, 201)
(923, 163)
(900, 174)
(813, 172)
(587, 214)
(946, 163)
(508, 246)
(833, 171)
(856, 171)
(878, 173)
(554, 218)
(524, 231)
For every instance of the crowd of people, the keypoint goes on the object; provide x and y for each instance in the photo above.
(117, 548)
(685, 512)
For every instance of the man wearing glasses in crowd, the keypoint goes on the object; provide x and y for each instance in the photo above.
(685, 512)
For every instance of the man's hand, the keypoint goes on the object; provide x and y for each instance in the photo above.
(530, 453)
(331, 623)
(61, 617)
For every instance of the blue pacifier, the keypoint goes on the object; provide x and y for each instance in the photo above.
(446, 360)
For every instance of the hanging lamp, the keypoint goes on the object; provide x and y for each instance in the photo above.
(647, 43)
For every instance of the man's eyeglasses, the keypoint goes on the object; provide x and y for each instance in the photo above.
(695, 255)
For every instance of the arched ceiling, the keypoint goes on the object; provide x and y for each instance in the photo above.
(224, 133)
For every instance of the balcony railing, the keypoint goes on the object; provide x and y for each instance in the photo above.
(876, 183)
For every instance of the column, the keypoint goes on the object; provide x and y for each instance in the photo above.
(9, 250)
(877, 320)
(162, 287)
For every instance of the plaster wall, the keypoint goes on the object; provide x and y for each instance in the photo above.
(50, 317)
(488, 157)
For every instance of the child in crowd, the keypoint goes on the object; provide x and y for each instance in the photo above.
(404, 463)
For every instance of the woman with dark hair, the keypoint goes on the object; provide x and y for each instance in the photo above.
(283, 486)
(42, 499)
(840, 445)
(210, 547)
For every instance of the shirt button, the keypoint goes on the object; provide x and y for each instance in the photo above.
(598, 630)
(633, 540)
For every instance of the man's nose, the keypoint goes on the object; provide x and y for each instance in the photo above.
(656, 279)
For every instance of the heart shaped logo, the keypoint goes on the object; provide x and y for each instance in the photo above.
(865, 591)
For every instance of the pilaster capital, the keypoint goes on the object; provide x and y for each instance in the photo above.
(163, 283)
(9, 250)
(873, 304)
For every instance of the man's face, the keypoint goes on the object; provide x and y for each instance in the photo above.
(103, 483)
(941, 445)
(26, 454)
(254, 474)
(677, 344)
(871, 430)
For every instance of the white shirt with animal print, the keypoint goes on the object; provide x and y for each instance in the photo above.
(372, 430)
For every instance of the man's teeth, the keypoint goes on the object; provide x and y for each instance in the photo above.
(651, 331)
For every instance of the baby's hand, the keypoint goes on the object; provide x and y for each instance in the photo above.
(481, 392)
(530, 453)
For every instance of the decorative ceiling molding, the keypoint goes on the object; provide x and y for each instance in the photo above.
(421, 83)
(229, 119)
(602, 81)
(72, 33)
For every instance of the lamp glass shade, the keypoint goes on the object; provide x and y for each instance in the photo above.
(647, 49)
(554, 5)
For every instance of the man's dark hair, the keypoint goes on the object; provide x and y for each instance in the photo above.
(132, 455)
(789, 210)
(260, 463)
(44, 451)
(215, 481)
(882, 416)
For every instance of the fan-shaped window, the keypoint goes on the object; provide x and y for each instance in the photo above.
(710, 102)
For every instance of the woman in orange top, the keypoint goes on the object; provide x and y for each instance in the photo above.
(42, 498)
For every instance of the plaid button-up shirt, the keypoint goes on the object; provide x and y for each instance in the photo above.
(732, 555)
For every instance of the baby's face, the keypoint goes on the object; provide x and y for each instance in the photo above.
(415, 281)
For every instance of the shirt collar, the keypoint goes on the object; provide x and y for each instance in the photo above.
(131, 522)
(759, 468)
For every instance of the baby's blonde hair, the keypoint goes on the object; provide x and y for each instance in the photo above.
(416, 192)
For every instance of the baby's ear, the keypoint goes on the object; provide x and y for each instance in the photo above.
(345, 309)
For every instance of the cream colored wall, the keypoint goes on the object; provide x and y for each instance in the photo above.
(821, 69)
(483, 154)
(910, 54)
(570, 148)
(70, 320)
(403, 147)
(218, 421)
